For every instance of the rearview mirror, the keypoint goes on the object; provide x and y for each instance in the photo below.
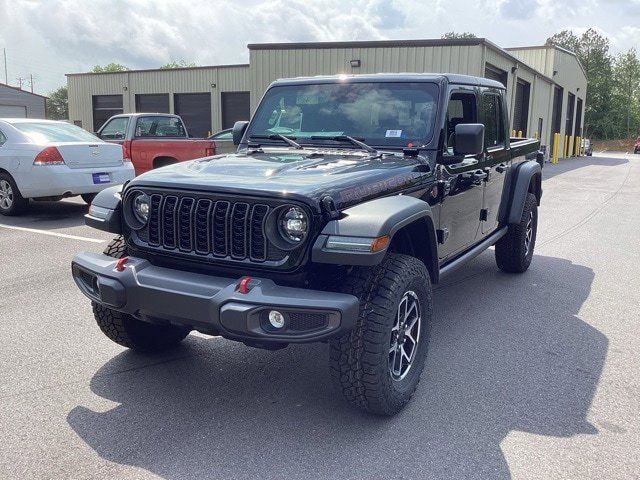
(238, 131)
(469, 139)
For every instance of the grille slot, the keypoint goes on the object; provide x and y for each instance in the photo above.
(209, 227)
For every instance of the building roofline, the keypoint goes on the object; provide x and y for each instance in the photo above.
(554, 46)
(430, 42)
(23, 91)
(203, 67)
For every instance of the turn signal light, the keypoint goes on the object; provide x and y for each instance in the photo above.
(49, 156)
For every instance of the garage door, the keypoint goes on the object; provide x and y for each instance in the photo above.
(521, 107)
(152, 103)
(195, 110)
(13, 111)
(235, 107)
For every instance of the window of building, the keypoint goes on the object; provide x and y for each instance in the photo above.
(105, 107)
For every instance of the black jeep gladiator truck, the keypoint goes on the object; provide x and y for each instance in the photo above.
(348, 198)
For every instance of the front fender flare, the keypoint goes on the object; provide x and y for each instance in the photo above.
(104, 212)
(372, 219)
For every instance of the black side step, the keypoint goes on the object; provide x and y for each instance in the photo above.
(473, 252)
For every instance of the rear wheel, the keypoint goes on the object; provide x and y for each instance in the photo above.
(514, 251)
(11, 201)
(127, 330)
(377, 366)
(88, 197)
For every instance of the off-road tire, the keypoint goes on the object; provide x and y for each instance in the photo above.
(512, 254)
(88, 197)
(18, 203)
(128, 331)
(359, 361)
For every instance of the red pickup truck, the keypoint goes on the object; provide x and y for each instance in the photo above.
(153, 140)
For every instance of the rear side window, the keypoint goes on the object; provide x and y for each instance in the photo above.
(54, 132)
(159, 127)
(3, 139)
(492, 120)
(115, 129)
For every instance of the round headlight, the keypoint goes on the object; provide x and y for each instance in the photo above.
(140, 206)
(294, 224)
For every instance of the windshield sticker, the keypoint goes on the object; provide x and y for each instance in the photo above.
(394, 133)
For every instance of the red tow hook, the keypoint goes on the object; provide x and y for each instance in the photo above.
(243, 286)
(121, 264)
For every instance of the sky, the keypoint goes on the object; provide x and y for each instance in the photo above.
(49, 38)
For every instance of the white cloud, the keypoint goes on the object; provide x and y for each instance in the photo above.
(53, 37)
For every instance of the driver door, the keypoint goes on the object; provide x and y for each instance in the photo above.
(463, 182)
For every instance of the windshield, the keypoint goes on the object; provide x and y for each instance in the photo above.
(48, 132)
(382, 114)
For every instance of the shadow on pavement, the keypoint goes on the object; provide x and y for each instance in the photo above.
(50, 215)
(508, 353)
(570, 164)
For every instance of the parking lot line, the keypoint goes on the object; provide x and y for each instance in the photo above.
(53, 234)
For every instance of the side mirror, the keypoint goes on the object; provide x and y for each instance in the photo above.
(238, 131)
(469, 139)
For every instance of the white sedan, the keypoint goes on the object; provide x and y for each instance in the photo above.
(50, 160)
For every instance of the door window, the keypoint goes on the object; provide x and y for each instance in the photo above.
(492, 120)
(157, 126)
(461, 109)
(115, 129)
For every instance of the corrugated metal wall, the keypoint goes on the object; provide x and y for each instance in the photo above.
(267, 65)
(34, 104)
(82, 87)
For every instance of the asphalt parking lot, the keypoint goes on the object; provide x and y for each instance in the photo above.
(530, 376)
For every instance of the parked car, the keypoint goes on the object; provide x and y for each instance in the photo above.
(50, 160)
(348, 198)
(586, 147)
(636, 147)
(153, 140)
(224, 141)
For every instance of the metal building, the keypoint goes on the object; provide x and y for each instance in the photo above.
(208, 98)
(546, 86)
(15, 102)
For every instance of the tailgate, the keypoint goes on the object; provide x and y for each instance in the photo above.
(90, 155)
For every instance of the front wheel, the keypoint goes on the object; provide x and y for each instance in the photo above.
(377, 366)
(127, 330)
(514, 251)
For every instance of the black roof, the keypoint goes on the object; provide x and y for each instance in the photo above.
(394, 77)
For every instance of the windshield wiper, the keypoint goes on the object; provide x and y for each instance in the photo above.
(346, 138)
(277, 136)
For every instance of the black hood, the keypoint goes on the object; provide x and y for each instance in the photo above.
(349, 177)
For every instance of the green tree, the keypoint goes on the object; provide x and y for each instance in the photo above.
(110, 67)
(592, 49)
(179, 64)
(452, 35)
(626, 90)
(58, 105)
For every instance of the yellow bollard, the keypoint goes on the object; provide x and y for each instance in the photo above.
(519, 133)
(535, 135)
(556, 146)
(566, 146)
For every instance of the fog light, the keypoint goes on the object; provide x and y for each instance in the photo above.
(276, 319)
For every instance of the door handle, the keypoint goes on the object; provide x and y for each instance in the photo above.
(502, 168)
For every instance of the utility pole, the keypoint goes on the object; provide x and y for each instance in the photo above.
(31, 81)
(20, 82)
(6, 77)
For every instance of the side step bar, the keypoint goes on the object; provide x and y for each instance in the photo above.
(474, 252)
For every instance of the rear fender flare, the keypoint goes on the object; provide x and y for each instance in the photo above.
(527, 171)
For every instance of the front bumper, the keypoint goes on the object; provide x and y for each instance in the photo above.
(214, 304)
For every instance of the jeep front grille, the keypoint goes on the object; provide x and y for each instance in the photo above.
(208, 227)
